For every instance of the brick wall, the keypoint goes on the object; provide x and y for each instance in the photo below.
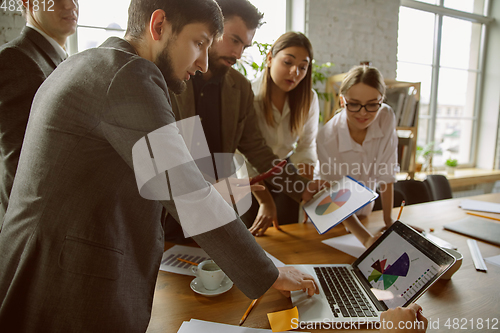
(11, 24)
(346, 32)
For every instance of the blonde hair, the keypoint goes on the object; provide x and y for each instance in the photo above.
(299, 99)
(363, 74)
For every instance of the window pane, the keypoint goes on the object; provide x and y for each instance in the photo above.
(470, 6)
(432, 2)
(274, 26)
(92, 37)
(104, 14)
(460, 43)
(415, 36)
(417, 73)
(455, 112)
(453, 137)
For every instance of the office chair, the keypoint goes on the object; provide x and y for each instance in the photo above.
(414, 191)
(438, 187)
(398, 197)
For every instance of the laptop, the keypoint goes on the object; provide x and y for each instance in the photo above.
(395, 271)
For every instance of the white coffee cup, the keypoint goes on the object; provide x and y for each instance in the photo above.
(210, 274)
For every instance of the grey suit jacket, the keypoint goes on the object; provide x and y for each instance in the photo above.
(25, 63)
(80, 248)
(240, 129)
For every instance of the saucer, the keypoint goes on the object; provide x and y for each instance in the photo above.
(198, 287)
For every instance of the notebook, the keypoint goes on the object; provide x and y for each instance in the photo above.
(333, 205)
(395, 271)
(477, 228)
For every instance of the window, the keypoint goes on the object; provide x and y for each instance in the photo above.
(100, 20)
(439, 45)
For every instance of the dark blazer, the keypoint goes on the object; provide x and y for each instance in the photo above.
(80, 248)
(25, 63)
(240, 129)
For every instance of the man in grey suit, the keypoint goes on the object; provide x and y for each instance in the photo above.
(25, 63)
(80, 248)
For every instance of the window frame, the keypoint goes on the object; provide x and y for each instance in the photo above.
(440, 12)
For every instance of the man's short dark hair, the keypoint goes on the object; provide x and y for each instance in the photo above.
(244, 9)
(178, 12)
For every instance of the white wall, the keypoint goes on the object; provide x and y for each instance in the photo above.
(11, 24)
(346, 32)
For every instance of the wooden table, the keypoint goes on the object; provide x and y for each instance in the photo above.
(467, 299)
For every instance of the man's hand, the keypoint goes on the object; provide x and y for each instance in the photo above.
(313, 187)
(291, 279)
(402, 317)
(266, 216)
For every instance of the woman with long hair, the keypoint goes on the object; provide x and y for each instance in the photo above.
(288, 114)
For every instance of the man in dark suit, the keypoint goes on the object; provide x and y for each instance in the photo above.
(80, 247)
(25, 63)
(223, 98)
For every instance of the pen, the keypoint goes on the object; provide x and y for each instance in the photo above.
(189, 262)
(486, 217)
(401, 209)
(248, 311)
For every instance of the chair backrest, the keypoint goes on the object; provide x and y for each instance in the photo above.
(414, 191)
(439, 187)
(398, 197)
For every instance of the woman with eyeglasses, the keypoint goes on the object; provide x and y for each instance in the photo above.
(287, 112)
(360, 141)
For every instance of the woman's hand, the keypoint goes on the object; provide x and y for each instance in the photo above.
(266, 216)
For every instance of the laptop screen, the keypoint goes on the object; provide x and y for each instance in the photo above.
(401, 265)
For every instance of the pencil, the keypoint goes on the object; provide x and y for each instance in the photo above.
(189, 262)
(486, 217)
(401, 209)
(248, 311)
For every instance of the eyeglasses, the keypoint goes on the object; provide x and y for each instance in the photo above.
(356, 107)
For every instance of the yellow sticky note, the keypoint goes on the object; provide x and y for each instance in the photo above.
(284, 320)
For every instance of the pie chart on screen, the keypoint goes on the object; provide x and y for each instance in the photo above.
(333, 202)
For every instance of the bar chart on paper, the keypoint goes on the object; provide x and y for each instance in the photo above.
(169, 262)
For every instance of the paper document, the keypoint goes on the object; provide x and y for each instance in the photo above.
(480, 206)
(493, 260)
(348, 244)
(197, 326)
(169, 262)
(333, 205)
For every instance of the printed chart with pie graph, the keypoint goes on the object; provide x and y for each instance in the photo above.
(333, 202)
(390, 273)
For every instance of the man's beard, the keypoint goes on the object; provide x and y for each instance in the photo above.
(214, 66)
(164, 63)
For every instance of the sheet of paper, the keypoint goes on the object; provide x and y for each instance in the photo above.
(493, 260)
(348, 244)
(333, 205)
(480, 206)
(284, 320)
(197, 326)
(439, 241)
(169, 262)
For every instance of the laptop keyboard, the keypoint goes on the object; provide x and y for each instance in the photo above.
(342, 293)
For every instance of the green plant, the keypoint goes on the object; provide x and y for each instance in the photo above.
(319, 73)
(451, 162)
(427, 151)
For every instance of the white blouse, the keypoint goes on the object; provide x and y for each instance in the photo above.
(300, 148)
(372, 163)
